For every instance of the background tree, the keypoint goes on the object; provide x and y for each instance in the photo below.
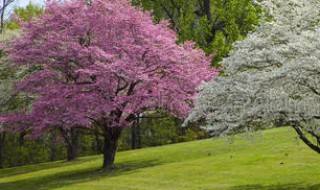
(271, 77)
(23, 14)
(3, 7)
(213, 24)
(167, 130)
(102, 63)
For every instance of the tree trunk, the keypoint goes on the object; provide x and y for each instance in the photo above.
(53, 148)
(138, 142)
(206, 6)
(111, 137)
(21, 138)
(2, 9)
(315, 147)
(73, 145)
(2, 141)
(136, 134)
(98, 144)
(133, 135)
(71, 138)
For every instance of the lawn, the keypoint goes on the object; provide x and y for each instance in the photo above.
(272, 159)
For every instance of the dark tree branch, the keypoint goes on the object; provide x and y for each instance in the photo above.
(120, 88)
(201, 7)
(206, 7)
(313, 90)
(305, 139)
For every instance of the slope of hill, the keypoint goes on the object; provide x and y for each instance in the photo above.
(272, 159)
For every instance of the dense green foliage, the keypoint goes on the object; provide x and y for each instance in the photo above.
(270, 160)
(213, 24)
(24, 14)
(155, 131)
(20, 150)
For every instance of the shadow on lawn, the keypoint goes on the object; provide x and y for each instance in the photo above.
(297, 186)
(66, 178)
(8, 172)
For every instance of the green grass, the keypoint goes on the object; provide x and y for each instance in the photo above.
(273, 159)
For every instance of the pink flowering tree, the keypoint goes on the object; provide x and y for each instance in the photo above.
(99, 63)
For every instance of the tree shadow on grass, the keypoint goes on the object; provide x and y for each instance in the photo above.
(8, 172)
(293, 186)
(66, 178)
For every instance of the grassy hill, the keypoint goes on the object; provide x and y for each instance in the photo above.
(273, 159)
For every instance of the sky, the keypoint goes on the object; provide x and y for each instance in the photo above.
(24, 3)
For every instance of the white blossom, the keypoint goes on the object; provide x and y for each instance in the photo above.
(272, 77)
(7, 74)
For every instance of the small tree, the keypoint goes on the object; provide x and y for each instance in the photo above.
(100, 63)
(271, 78)
(4, 4)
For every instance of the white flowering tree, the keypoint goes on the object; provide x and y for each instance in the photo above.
(272, 78)
(7, 73)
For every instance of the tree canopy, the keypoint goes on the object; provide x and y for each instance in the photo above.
(98, 64)
(271, 78)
